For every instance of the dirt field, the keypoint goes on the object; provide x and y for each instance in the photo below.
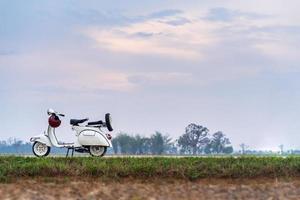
(59, 188)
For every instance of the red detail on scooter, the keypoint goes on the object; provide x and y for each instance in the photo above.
(54, 121)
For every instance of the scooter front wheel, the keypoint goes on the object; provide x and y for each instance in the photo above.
(40, 150)
(97, 151)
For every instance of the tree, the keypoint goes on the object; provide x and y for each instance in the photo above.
(115, 145)
(228, 150)
(143, 144)
(126, 143)
(157, 143)
(168, 144)
(194, 139)
(243, 147)
(16, 144)
(219, 143)
(281, 149)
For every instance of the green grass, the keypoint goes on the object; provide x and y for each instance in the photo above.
(190, 168)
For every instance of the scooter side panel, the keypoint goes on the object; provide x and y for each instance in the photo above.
(93, 138)
(42, 139)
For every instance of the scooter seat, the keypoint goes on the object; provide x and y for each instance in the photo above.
(95, 123)
(76, 122)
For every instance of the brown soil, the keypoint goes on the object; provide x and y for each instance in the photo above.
(59, 188)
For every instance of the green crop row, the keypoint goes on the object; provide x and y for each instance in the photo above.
(150, 167)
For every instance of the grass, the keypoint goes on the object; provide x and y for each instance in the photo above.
(190, 168)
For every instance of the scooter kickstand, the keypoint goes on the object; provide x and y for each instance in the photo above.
(72, 149)
(67, 152)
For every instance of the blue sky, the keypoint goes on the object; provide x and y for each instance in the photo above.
(155, 65)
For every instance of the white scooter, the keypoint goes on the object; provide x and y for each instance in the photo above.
(90, 138)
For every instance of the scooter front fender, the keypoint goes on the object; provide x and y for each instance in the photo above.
(42, 139)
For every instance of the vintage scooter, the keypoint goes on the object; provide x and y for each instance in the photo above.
(90, 138)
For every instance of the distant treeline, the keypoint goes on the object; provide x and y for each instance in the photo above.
(16, 146)
(195, 140)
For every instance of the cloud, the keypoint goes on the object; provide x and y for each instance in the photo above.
(96, 80)
(178, 22)
(170, 79)
(232, 50)
(60, 71)
(156, 37)
(7, 52)
(163, 13)
(227, 15)
(281, 51)
(94, 16)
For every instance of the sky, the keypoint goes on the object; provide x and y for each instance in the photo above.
(231, 66)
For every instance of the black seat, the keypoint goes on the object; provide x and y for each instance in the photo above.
(95, 123)
(76, 122)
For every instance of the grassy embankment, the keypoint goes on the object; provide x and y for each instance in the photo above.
(190, 168)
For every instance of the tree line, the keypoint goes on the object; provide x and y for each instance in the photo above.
(195, 140)
(17, 146)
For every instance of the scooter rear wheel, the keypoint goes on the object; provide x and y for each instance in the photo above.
(97, 151)
(40, 150)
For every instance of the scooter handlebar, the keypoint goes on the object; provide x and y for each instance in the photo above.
(52, 112)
